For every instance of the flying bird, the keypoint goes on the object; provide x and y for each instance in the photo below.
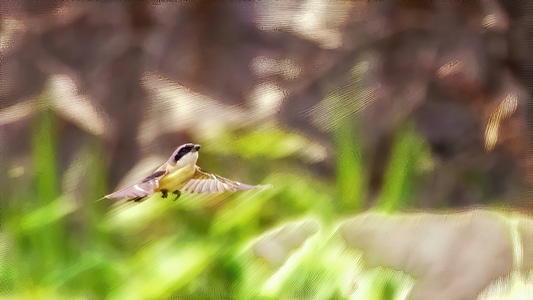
(180, 173)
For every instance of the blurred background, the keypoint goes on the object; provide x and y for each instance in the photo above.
(342, 106)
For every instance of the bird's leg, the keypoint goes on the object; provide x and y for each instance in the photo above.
(177, 193)
(164, 193)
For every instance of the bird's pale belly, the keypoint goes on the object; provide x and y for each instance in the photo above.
(176, 179)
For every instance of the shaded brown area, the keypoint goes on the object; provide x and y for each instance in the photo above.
(208, 47)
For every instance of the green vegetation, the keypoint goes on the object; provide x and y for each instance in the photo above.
(61, 243)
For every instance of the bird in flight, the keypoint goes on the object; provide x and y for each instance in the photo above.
(180, 173)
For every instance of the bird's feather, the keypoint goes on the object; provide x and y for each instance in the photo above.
(203, 182)
(140, 190)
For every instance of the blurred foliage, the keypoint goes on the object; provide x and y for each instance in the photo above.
(320, 145)
(277, 243)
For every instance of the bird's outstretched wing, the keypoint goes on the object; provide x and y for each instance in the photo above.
(204, 182)
(140, 190)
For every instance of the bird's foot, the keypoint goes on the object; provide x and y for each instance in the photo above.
(164, 193)
(177, 193)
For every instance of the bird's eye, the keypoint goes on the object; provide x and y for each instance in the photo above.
(182, 152)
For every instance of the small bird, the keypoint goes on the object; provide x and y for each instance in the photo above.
(180, 173)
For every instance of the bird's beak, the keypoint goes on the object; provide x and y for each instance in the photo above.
(196, 148)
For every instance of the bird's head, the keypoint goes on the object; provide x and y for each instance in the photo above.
(184, 155)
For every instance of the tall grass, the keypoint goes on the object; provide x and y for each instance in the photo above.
(60, 243)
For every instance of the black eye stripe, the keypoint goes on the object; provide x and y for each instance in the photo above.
(182, 152)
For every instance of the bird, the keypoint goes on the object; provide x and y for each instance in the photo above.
(180, 174)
